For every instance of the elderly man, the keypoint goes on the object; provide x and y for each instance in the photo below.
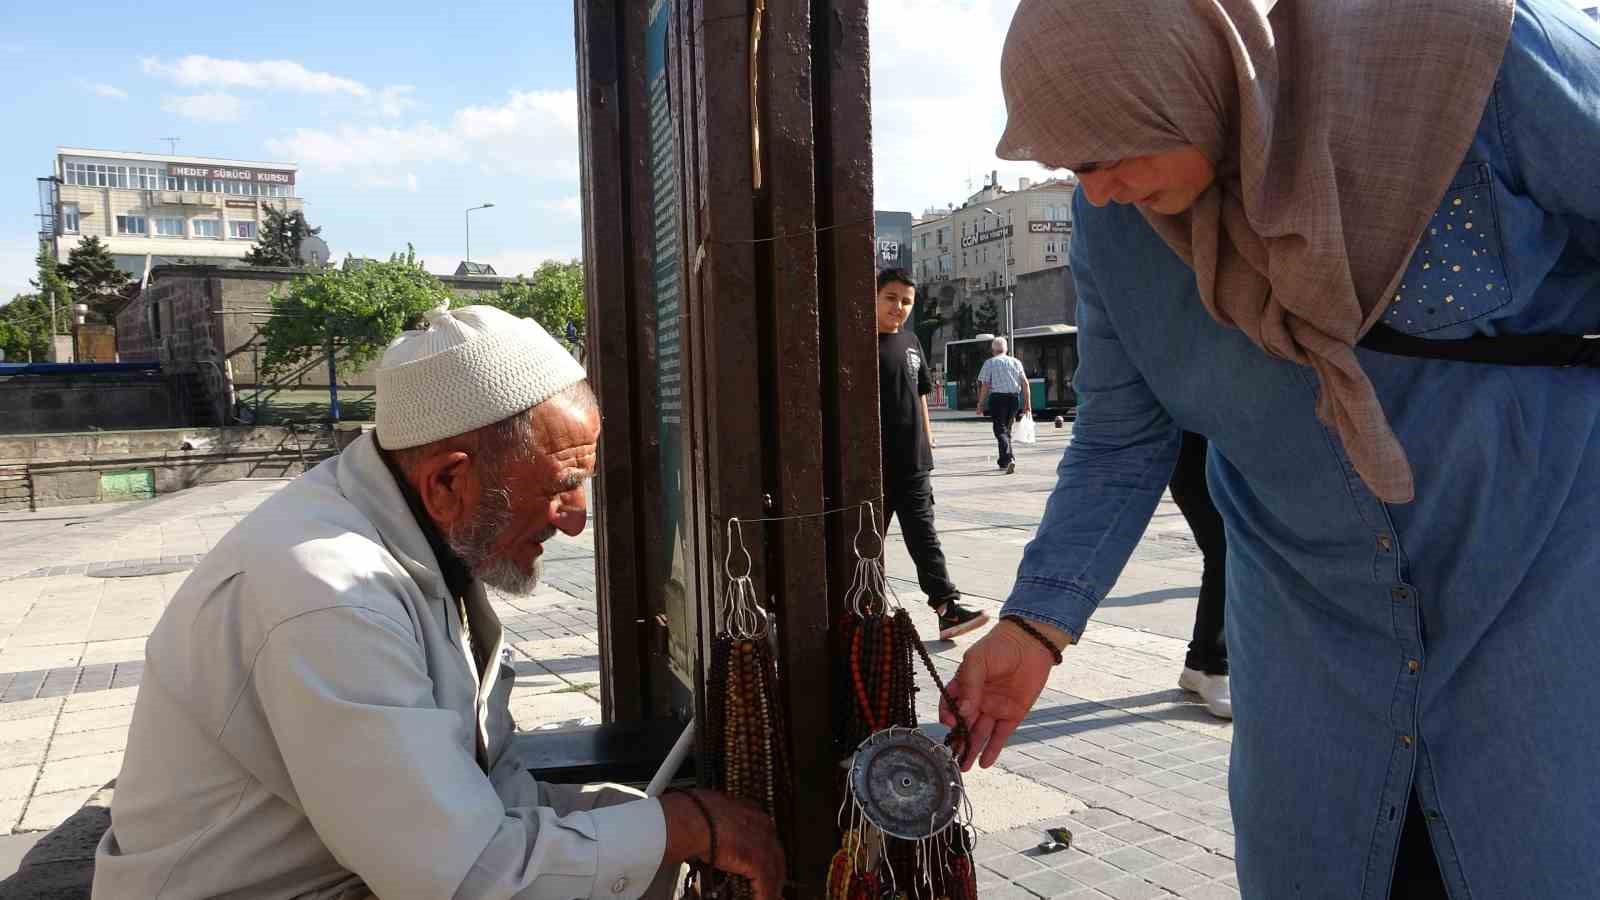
(1003, 394)
(324, 711)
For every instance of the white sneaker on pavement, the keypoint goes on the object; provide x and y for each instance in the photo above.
(1213, 690)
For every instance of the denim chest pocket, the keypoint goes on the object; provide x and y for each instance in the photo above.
(1457, 273)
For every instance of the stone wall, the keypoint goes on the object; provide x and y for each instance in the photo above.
(1046, 297)
(44, 470)
(211, 314)
(45, 403)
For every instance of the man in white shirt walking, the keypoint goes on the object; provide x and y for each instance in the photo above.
(1003, 396)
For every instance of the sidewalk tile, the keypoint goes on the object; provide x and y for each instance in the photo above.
(1133, 859)
(102, 699)
(17, 781)
(1092, 872)
(1210, 865)
(37, 728)
(1129, 887)
(1133, 832)
(10, 812)
(88, 743)
(1175, 849)
(46, 811)
(1174, 877)
(1013, 865)
(1007, 892)
(1213, 891)
(28, 709)
(92, 719)
(22, 753)
(1049, 883)
(83, 771)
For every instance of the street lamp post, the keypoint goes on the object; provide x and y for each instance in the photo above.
(1011, 291)
(468, 217)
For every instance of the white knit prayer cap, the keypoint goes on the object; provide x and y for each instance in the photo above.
(469, 367)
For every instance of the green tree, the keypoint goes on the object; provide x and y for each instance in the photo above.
(278, 244)
(928, 318)
(358, 309)
(987, 318)
(552, 296)
(53, 285)
(95, 278)
(966, 327)
(25, 328)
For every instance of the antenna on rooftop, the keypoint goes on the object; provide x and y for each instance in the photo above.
(172, 144)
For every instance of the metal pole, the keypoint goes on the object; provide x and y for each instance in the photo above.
(333, 380)
(1011, 291)
(674, 762)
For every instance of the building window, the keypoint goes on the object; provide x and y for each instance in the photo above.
(244, 231)
(96, 175)
(207, 228)
(169, 226)
(174, 183)
(145, 178)
(130, 225)
(69, 218)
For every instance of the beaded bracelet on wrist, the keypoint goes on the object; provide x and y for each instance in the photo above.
(711, 825)
(1036, 634)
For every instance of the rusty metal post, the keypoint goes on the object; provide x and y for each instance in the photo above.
(774, 327)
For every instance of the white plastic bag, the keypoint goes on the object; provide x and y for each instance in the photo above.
(1024, 432)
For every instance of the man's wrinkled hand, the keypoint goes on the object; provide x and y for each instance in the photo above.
(1000, 678)
(746, 839)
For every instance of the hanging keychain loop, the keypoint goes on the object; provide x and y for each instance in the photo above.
(742, 615)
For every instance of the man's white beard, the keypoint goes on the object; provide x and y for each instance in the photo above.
(474, 543)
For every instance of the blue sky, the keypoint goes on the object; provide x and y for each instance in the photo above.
(402, 114)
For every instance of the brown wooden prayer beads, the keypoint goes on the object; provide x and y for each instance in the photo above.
(746, 739)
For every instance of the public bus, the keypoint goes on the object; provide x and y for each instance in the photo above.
(1049, 356)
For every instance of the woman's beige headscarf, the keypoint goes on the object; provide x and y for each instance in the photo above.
(1336, 129)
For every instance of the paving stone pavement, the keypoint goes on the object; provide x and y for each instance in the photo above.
(1139, 768)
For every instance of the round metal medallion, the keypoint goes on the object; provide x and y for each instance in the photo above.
(906, 784)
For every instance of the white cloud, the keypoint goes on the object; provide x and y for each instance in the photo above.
(533, 133)
(936, 116)
(377, 150)
(108, 90)
(216, 107)
(278, 75)
(394, 100)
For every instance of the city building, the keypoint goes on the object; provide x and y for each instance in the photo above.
(154, 209)
(998, 247)
(971, 243)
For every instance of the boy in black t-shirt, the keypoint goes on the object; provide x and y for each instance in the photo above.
(903, 386)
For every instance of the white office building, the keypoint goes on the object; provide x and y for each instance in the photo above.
(150, 209)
